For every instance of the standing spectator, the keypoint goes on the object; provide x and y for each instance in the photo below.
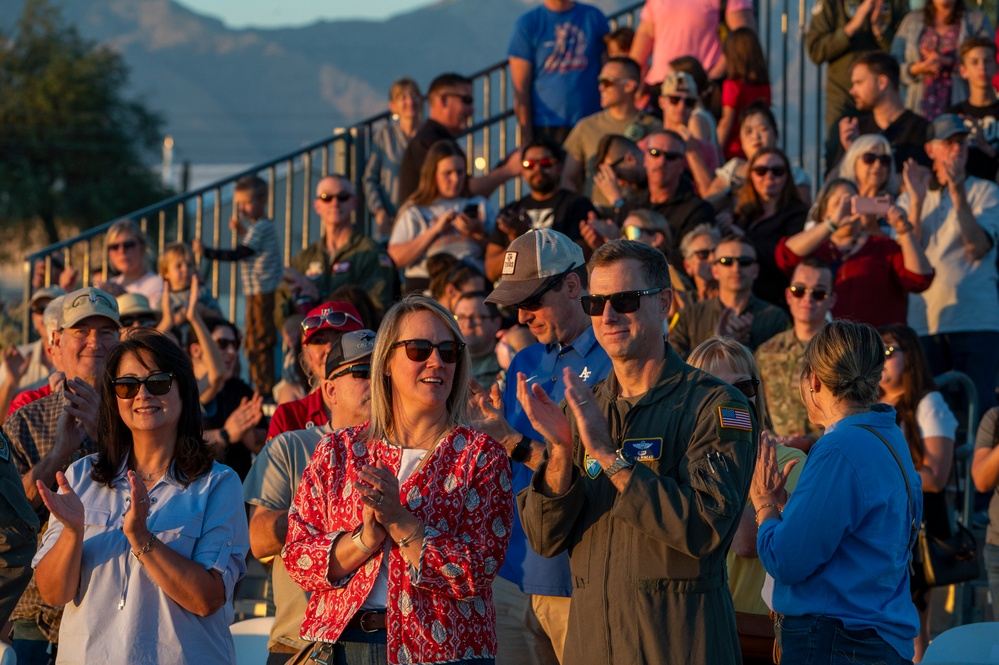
(618, 83)
(650, 228)
(985, 473)
(647, 473)
(442, 215)
(735, 312)
(926, 46)
(128, 256)
(671, 28)
(839, 32)
(678, 99)
(381, 174)
(768, 209)
(809, 298)
(342, 255)
(479, 321)
(978, 68)
(874, 274)
(257, 244)
(555, 55)
(958, 224)
(702, 123)
(747, 81)
(178, 270)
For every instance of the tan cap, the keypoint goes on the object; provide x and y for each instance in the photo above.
(133, 304)
(89, 301)
(530, 261)
(680, 84)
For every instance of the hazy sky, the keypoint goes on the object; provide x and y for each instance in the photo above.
(275, 13)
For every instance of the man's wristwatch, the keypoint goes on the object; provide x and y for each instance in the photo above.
(622, 462)
(522, 451)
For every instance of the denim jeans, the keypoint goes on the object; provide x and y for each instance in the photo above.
(811, 640)
(991, 556)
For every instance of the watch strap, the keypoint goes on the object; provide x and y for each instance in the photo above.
(522, 451)
(622, 462)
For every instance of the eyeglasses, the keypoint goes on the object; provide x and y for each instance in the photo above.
(702, 254)
(226, 344)
(818, 295)
(635, 232)
(143, 321)
(157, 383)
(125, 246)
(335, 319)
(624, 302)
(777, 171)
(676, 99)
(607, 81)
(871, 157)
(341, 197)
(891, 350)
(544, 162)
(749, 387)
(419, 350)
(741, 261)
(465, 99)
(359, 371)
(668, 155)
(534, 303)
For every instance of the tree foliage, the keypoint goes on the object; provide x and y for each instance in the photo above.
(74, 150)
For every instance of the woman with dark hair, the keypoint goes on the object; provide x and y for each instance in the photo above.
(768, 208)
(929, 427)
(926, 45)
(838, 548)
(148, 536)
(440, 216)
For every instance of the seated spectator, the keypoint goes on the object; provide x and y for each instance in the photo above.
(479, 321)
(546, 206)
(294, 380)
(135, 312)
(958, 223)
(29, 365)
(678, 98)
(875, 274)
(868, 164)
(450, 277)
(441, 216)
(388, 145)
(926, 46)
(177, 268)
(702, 123)
(747, 81)
(650, 228)
(809, 299)
(735, 312)
(620, 174)
(733, 363)
(985, 473)
(128, 252)
(698, 251)
(929, 427)
(618, 42)
(768, 209)
(52, 318)
(981, 109)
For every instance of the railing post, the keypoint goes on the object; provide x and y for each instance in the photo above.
(306, 196)
(216, 236)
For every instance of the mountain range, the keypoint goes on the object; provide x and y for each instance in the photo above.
(242, 96)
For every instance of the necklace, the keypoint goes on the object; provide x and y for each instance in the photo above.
(148, 476)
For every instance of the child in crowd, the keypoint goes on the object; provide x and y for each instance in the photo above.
(176, 266)
(258, 246)
(748, 81)
(977, 57)
(618, 42)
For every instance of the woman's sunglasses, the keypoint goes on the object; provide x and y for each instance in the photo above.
(335, 319)
(890, 351)
(624, 302)
(157, 383)
(800, 292)
(777, 171)
(419, 350)
(127, 245)
(871, 157)
(749, 387)
(226, 344)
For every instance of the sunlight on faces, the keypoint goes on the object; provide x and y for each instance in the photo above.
(147, 412)
(614, 94)
(424, 384)
(769, 185)
(723, 371)
(127, 256)
(806, 309)
(553, 322)
(85, 346)
(352, 395)
(755, 134)
(333, 212)
(664, 172)
(406, 104)
(874, 176)
(178, 272)
(224, 336)
(477, 325)
(894, 371)
(637, 334)
(248, 206)
(979, 66)
(865, 88)
(542, 179)
(735, 278)
(450, 177)
(314, 353)
(694, 264)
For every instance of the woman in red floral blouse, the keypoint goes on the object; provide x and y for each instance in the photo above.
(404, 522)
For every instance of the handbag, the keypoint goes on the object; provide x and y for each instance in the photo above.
(313, 653)
(946, 561)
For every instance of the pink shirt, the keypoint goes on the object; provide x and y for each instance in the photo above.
(685, 27)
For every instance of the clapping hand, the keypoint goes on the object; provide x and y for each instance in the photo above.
(768, 479)
(544, 414)
(379, 491)
(65, 505)
(736, 326)
(15, 363)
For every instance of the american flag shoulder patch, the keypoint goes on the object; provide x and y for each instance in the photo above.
(730, 417)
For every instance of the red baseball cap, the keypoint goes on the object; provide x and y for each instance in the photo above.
(341, 316)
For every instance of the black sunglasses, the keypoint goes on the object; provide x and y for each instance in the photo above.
(341, 197)
(890, 351)
(624, 302)
(126, 245)
(818, 295)
(465, 99)
(419, 350)
(226, 344)
(335, 319)
(157, 383)
(534, 303)
(676, 99)
(777, 171)
(742, 261)
(748, 387)
(871, 157)
(668, 155)
(360, 371)
(702, 254)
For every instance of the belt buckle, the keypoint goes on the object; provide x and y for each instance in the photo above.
(364, 616)
(322, 654)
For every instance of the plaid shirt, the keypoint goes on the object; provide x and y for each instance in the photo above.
(31, 431)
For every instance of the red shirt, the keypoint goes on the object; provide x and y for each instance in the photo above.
(737, 95)
(27, 397)
(303, 413)
(441, 612)
(872, 286)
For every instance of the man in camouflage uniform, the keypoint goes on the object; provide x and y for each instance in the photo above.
(810, 297)
(18, 534)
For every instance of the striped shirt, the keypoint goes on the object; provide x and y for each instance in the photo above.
(261, 273)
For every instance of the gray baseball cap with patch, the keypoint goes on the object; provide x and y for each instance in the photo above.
(349, 348)
(531, 261)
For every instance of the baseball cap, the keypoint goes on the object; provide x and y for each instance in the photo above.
(340, 316)
(133, 304)
(679, 83)
(946, 126)
(88, 301)
(531, 261)
(349, 347)
(52, 316)
(46, 293)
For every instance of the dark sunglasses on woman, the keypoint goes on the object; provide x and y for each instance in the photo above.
(871, 157)
(419, 350)
(157, 383)
(623, 302)
(748, 387)
(777, 171)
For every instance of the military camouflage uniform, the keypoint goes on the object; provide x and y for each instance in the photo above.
(779, 360)
(18, 534)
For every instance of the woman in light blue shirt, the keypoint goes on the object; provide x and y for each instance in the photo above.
(148, 536)
(838, 549)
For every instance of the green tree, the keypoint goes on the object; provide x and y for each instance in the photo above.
(73, 149)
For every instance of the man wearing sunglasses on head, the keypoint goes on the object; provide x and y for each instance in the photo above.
(50, 433)
(273, 480)
(644, 482)
(543, 278)
(320, 328)
(341, 256)
(735, 312)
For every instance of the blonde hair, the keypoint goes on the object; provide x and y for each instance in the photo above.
(174, 249)
(847, 358)
(130, 228)
(716, 351)
(382, 424)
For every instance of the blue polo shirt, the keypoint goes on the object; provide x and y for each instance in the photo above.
(532, 572)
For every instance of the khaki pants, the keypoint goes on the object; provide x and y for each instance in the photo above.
(520, 635)
(261, 337)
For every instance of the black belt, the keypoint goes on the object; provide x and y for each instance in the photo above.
(369, 621)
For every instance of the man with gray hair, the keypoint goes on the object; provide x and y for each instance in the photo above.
(53, 323)
(698, 251)
(28, 366)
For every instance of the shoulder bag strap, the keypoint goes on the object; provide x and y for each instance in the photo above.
(914, 528)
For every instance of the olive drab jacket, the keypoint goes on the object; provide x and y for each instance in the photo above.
(648, 564)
